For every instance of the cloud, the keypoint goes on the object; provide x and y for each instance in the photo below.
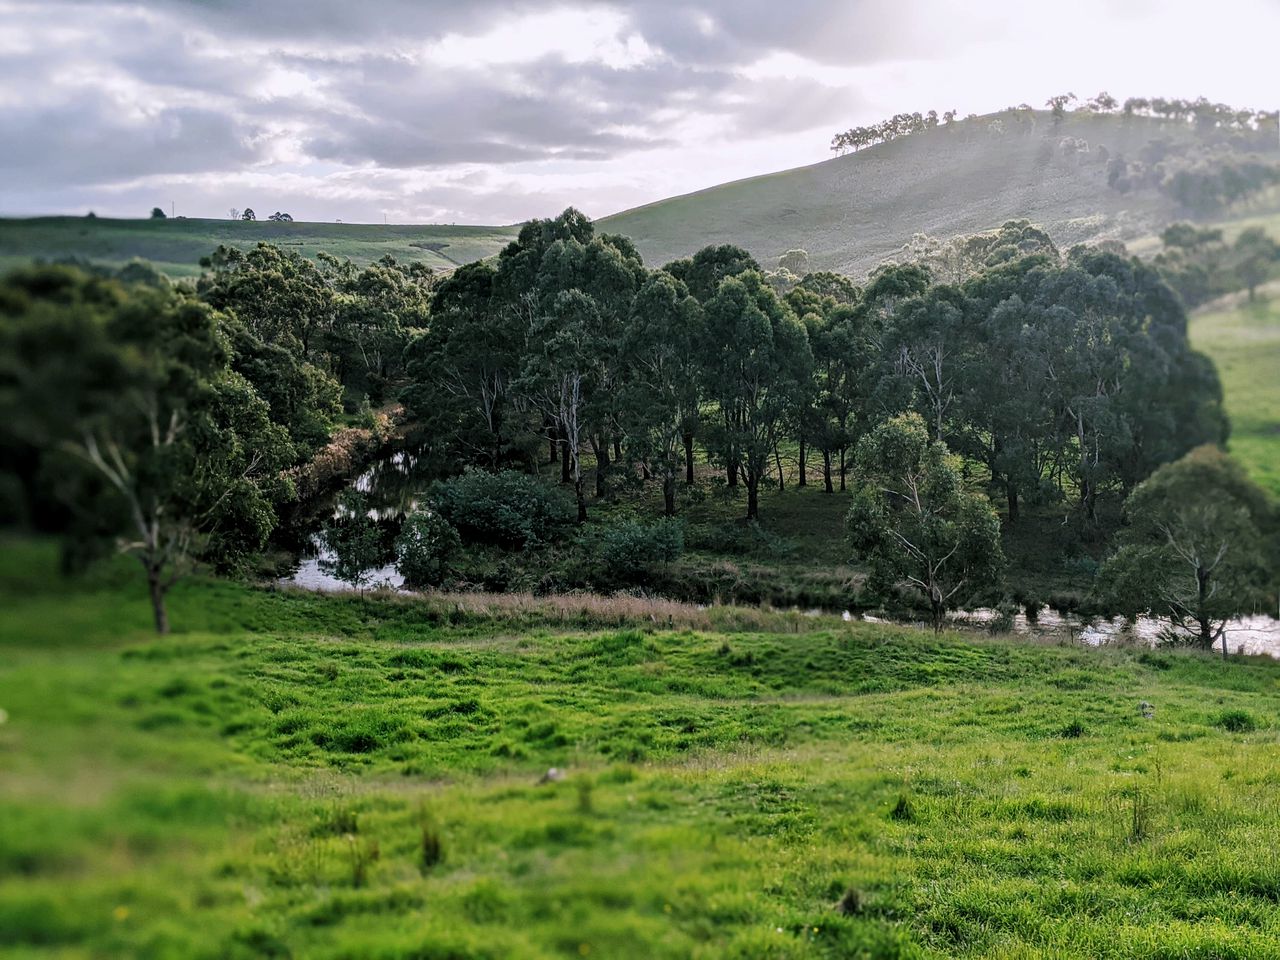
(102, 101)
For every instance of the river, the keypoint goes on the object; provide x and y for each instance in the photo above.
(393, 485)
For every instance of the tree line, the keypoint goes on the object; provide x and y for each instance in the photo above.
(170, 417)
(1202, 114)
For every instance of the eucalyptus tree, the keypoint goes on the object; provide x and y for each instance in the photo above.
(130, 395)
(559, 374)
(661, 394)
(1194, 547)
(913, 521)
(463, 368)
(760, 365)
(607, 271)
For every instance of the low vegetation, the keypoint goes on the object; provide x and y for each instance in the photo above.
(296, 775)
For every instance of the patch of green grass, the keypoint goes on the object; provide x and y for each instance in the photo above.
(176, 246)
(1244, 344)
(292, 776)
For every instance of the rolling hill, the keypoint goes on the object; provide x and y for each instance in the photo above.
(850, 213)
(853, 212)
(176, 246)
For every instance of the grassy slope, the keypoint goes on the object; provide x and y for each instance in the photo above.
(176, 246)
(852, 212)
(220, 793)
(1244, 342)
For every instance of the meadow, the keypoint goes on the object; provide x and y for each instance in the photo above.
(292, 775)
(1243, 340)
(176, 246)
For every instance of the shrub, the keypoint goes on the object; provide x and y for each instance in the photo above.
(628, 549)
(425, 547)
(1237, 721)
(508, 509)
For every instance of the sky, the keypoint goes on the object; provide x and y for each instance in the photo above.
(485, 111)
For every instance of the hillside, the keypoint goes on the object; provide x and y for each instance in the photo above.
(292, 775)
(1243, 339)
(850, 213)
(176, 246)
(853, 212)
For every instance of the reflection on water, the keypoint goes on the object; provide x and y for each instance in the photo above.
(1257, 634)
(394, 485)
(391, 488)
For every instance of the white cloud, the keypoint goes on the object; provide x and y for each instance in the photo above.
(497, 110)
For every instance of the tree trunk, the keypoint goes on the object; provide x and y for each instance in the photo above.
(617, 450)
(156, 589)
(565, 476)
(804, 480)
(688, 458)
(1011, 494)
(581, 498)
(777, 459)
(732, 470)
(826, 470)
(669, 494)
(602, 464)
(551, 442)
(753, 496)
(843, 470)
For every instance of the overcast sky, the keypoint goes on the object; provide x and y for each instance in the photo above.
(484, 111)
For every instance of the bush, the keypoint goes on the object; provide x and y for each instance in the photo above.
(627, 550)
(508, 509)
(1237, 721)
(425, 547)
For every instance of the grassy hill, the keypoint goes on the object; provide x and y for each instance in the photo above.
(853, 212)
(850, 213)
(176, 246)
(1243, 339)
(334, 777)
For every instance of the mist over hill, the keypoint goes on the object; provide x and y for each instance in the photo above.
(852, 212)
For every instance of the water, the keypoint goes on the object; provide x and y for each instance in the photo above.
(394, 485)
(1258, 634)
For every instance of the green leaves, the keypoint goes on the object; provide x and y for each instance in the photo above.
(914, 523)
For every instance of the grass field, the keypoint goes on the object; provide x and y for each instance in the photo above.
(853, 212)
(176, 246)
(1244, 342)
(300, 776)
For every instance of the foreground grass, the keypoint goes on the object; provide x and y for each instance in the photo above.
(336, 777)
(1244, 343)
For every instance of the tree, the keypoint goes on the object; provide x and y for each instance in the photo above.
(1255, 255)
(127, 393)
(248, 214)
(1058, 106)
(704, 271)
(1193, 548)
(279, 217)
(914, 522)
(662, 390)
(158, 214)
(354, 539)
(462, 368)
(558, 376)
(794, 261)
(759, 364)
(425, 547)
(234, 213)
